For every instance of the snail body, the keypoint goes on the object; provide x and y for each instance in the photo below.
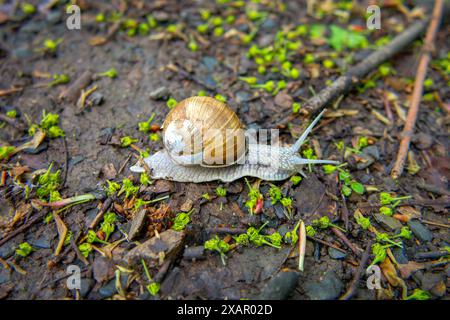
(204, 141)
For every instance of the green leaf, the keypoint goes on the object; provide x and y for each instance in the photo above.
(357, 187)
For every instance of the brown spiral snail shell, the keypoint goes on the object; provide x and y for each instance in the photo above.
(204, 140)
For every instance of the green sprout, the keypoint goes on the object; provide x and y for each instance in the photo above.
(275, 194)
(254, 196)
(379, 251)
(68, 238)
(85, 249)
(11, 113)
(100, 18)
(325, 223)
(59, 79)
(257, 239)
(171, 103)
(144, 179)
(139, 202)
(153, 287)
(287, 203)
(206, 196)
(192, 45)
(291, 237)
(308, 58)
(310, 231)
(386, 211)
(269, 86)
(92, 238)
(28, 8)
(221, 192)
(242, 239)
(405, 233)
(216, 244)
(203, 28)
(218, 31)
(181, 220)
(127, 141)
(386, 199)
(363, 221)
(308, 153)
(154, 136)
(328, 64)
(419, 294)
(128, 188)
(295, 180)
(249, 80)
(143, 28)
(48, 183)
(6, 152)
(107, 225)
(384, 237)
(24, 249)
(110, 73)
(151, 21)
(296, 107)
(52, 45)
(113, 187)
(205, 14)
(220, 98)
(55, 132)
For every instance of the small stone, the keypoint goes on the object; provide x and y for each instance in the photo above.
(422, 140)
(169, 242)
(243, 96)
(95, 99)
(108, 171)
(159, 93)
(431, 280)
(196, 253)
(420, 231)
(86, 285)
(387, 222)
(284, 100)
(103, 269)
(280, 286)
(187, 205)
(137, 224)
(328, 287)
(400, 255)
(336, 254)
(372, 151)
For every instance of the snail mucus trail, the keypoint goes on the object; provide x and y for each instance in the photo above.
(204, 140)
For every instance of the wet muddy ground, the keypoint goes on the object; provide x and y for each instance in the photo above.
(158, 65)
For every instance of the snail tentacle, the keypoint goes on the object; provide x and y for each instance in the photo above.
(296, 146)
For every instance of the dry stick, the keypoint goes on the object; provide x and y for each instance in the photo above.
(354, 284)
(408, 130)
(24, 227)
(356, 250)
(73, 91)
(358, 72)
(105, 207)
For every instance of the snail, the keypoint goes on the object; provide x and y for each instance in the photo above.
(204, 141)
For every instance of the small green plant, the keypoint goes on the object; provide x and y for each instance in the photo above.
(181, 220)
(325, 223)
(112, 188)
(48, 183)
(85, 248)
(255, 198)
(387, 199)
(171, 103)
(419, 294)
(216, 244)
(128, 188)
(127, 141)
(59, 79)
(107, 225)
(308, 153)
(6, 152)
(24, 249)
(28, 8)
(291, 237)
(153, 287)
(144, 179)
(51, 45)
(110, 73)
(275, 194)
(295, 180)
(92, 238)
(386, 211)
(11, 113)
(384, 237)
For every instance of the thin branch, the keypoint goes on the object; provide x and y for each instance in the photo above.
(358, 72)
(408, 130)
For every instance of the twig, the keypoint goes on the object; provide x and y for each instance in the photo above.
(301, 246)
(408, 130)
(24, 227)
(108, 202)
(12, 122)
(356, 250)
(436, 224)
(66, 162)
(327, 244)
(122, 167)
(358, 72)
(354, 284)
(72, 93)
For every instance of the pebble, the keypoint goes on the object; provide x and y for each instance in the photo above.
(279, 211)
(159, 93)
(420, 231)
(40, 243)
(431, 280)
(170, 242)
(86, 285)
(400, 255)
(336, 254)
(328, 287)
(387, 222)
(137, 224)
(110, 288)
(280, 286)
(242, 96)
